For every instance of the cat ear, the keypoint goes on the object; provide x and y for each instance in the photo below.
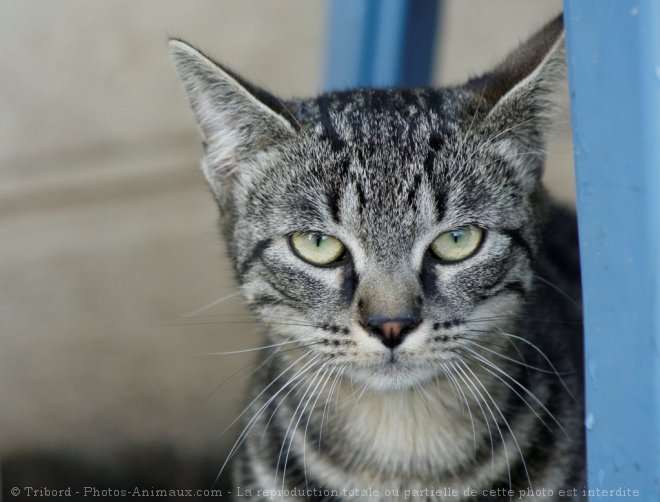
(236, 120)
(518, 90)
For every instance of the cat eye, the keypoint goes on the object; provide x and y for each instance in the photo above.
(458, 244)
(317, 249)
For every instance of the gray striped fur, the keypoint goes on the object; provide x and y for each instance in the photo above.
(486, 392)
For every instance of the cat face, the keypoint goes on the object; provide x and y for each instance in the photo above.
(378, 230)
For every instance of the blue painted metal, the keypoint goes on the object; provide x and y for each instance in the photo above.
(381, 43)
(614, 69)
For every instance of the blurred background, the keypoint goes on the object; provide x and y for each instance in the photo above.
(108, 233)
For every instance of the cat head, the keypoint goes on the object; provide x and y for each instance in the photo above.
(376, 228)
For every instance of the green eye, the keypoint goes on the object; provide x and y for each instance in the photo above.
(317, 249)
(456, 245)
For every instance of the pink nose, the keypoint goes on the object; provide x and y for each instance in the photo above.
(391, 331)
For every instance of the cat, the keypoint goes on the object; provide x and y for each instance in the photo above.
(419, 290)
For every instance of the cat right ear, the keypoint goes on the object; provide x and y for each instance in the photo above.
(518, 94)
(236, 120)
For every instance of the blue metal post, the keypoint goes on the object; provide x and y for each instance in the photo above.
(614, 77)
(381, 43)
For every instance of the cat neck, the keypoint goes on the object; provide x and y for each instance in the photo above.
(421, 430)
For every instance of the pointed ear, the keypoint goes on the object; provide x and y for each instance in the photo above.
(236, 120)
(518, 89)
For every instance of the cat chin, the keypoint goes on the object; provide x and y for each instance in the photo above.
(392, 377)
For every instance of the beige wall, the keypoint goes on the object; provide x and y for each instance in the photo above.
(107, 232)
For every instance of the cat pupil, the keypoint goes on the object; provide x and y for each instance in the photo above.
(456, 235)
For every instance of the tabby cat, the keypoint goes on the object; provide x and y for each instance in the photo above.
(418, 289)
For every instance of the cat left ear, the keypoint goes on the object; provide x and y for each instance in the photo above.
(236, 120)
(220, 98)
(517, 89)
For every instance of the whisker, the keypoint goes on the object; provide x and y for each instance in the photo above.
(473, 388)
(250, 425)
(558, 290)
(499, 354)
(337, 395)
(364, 388)
(265, 347)
(277, 407)
(539, 351)
(454, 385)
(329, 399)
(481, 361)
(518, 317)
(420, 392)
(237, 372)
(506, 423)
(497, 342)
(309, 417)
(262, 393)
(521, 386)
(255, 321)
(295, 427)
(210, 305)
(467, 404)
(252, 316)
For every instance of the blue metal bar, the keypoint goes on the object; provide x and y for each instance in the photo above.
(351, 35)
(381, 43)
(614, 69)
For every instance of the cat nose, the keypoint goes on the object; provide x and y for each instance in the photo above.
(391, 331)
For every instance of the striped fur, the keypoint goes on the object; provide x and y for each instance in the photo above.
(485, 394)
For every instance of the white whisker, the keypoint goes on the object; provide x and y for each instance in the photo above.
(210, 305)
(539, 351)
(245, 351)
(524, 389)
(250, 425)
(558, 290)
(470, 386)
(317, 373)
(452, 377)
(506, 423)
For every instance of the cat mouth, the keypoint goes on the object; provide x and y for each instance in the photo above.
(393, 372)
